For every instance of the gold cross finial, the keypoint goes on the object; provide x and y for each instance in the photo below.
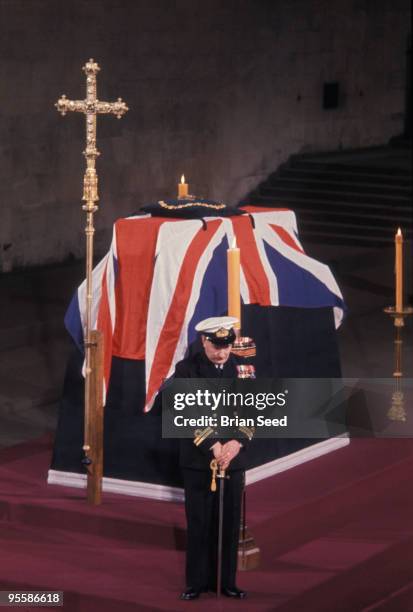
(91, 107)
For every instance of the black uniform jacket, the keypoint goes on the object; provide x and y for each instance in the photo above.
(196, 453)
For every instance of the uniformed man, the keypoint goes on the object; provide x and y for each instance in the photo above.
(201, 504)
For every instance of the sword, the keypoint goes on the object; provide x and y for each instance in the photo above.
(222, 476)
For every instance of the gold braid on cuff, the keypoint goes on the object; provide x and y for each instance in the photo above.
(247, 431)
(202, 435)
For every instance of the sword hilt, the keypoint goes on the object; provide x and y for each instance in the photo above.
(217, 472)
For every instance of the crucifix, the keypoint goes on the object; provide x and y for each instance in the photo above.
(91, 107)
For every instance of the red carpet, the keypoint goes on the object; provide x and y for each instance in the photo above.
(335, 534)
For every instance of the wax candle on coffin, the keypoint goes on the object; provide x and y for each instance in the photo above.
(399, 270)
(234, 294)
(182, 188)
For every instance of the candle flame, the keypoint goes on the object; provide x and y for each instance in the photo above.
(234, 242)
(182, 179)
(399, 232)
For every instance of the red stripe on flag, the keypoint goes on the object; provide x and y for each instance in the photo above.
(136, 244)
(257, 280)
(286, 237)
(175, 317)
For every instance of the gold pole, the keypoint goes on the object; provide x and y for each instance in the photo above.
(95, 433)
(90, 107)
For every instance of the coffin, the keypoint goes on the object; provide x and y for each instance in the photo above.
(162, 274)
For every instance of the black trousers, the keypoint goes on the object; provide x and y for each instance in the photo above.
(201, 506)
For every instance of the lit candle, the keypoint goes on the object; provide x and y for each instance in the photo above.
(234, 292)
(182, 188)
(399, 270)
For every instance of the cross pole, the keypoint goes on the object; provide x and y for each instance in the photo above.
(90, 107)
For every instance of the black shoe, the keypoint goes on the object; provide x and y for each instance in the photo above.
(234, 592)
(190, 594)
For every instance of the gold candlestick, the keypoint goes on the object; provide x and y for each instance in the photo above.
(398, 317)
(397, 411)
(398, 314)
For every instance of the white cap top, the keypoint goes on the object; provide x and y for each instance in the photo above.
(213, 324)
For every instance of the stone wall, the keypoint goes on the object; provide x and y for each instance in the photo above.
(222, 90)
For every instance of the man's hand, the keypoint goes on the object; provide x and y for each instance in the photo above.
(229, 450)
(217, 450)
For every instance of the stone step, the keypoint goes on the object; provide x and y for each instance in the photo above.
(302, 191)
(311, 233)
(403, 216)
(354, 168)
(301, 203)
(327, 237)
(362, 219)
(373, 232)
(342, 176)
(324, 184)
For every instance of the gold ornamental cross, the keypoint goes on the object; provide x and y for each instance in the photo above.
(92, 442)
(91, 107)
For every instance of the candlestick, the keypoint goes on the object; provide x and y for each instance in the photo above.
(234, 292)
(398, 314)
(399, 270)
(397, 412)
(182, 188)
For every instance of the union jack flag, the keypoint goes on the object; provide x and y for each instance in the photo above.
(163, 275)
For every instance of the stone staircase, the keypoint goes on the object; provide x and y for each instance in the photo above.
(356, 198)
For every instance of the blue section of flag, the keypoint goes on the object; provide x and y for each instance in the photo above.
(296, 286)
(213, 298)
(73, 322)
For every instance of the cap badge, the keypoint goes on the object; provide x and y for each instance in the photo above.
(222, 333)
